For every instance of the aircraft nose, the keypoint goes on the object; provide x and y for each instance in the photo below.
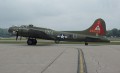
(10, 30)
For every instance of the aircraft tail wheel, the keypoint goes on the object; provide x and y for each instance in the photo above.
(57, 41)
(86, 43)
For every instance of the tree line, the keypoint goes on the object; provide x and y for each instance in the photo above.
(4, 32)
(113, 33)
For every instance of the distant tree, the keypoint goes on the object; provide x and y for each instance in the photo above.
(109, 33)
(4, 33)
(114, 33)
(118, 33)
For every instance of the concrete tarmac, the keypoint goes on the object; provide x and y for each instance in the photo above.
(58, 58)
(17, 58)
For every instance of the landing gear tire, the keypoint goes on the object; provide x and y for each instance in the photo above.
(86, 43)
(31, 41)
(34, 42)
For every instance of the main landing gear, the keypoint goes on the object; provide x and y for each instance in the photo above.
(86, 43)
(31, 41)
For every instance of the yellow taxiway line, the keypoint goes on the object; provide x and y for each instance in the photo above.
(81, 62)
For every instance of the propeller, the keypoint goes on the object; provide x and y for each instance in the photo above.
(16, 35)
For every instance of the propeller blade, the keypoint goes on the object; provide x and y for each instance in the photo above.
(16, 35)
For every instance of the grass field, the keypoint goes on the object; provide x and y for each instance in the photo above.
(23, 41)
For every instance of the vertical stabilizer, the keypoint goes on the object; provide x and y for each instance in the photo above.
(98, 28)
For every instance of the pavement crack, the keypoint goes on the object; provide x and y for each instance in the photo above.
(96, 71)
(52, 62)
(99, 66)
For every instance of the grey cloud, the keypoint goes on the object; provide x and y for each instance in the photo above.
(58, 14)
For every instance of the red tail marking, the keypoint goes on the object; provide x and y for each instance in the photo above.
(97, 28)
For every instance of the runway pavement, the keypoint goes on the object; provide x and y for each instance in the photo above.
(59, 58)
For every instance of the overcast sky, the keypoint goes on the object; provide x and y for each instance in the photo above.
(59, 14)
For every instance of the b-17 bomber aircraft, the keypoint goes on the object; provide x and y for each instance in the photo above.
(95, 33)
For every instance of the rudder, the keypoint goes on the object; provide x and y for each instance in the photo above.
(98, 28)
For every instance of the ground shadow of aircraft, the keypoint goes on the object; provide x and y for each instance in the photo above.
(95, 33)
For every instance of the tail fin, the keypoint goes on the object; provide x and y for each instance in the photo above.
(98, 28)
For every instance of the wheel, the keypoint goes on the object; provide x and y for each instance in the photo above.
(86, 43)
(29, 42)
(34, 41)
